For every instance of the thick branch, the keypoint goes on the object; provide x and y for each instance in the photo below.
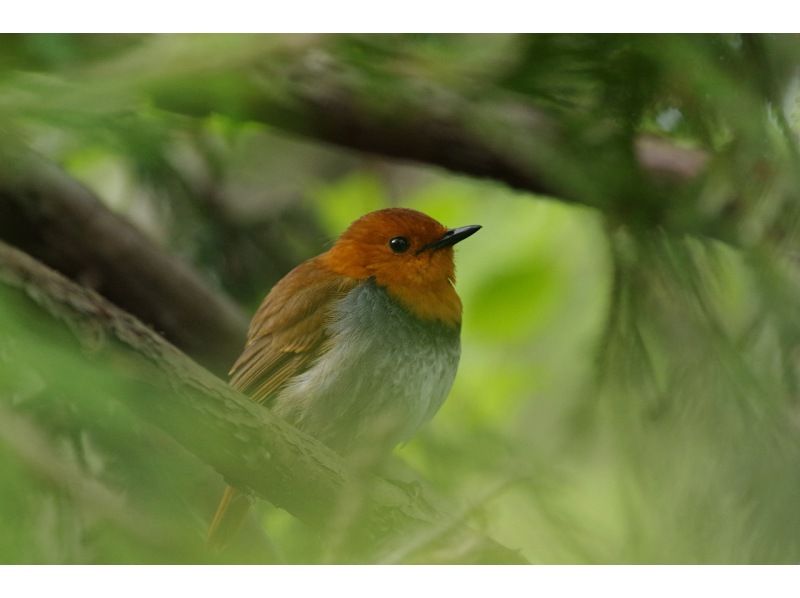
(505, 139)
(242, 440)
(59, 221)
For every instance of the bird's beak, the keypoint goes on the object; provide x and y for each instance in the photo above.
(451, 237)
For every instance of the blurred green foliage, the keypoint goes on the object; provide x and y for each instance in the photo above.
(627, 393)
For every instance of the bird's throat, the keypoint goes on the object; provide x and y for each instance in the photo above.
(436, 303)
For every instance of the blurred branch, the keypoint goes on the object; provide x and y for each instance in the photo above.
(240, 439)
(429, 538)
(59, 221)
(661, 158)
(32, 448)
(504, 138)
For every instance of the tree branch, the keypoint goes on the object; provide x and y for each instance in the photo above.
(59, 221)
(243, 441)
(506, 138)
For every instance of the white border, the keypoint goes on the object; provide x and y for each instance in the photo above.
(327, 16)
(401, 581)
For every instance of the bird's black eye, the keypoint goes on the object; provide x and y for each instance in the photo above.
(399, 244)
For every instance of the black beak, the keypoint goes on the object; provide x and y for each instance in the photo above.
(451, 237)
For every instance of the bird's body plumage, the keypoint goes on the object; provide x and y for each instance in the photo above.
(350, 366)
(359, 346)
(371, 388)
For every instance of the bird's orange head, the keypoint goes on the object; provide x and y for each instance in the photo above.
(408, 253)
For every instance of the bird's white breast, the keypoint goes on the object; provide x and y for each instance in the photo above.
(385, 374)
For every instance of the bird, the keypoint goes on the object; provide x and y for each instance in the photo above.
(358, 346)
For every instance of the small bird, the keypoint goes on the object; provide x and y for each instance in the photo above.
(358, 346)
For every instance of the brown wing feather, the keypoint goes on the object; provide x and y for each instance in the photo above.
(286, 336)
(287, 333)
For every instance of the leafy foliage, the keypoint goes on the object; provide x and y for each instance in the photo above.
(628, 386)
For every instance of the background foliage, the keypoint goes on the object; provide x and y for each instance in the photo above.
(628, 385)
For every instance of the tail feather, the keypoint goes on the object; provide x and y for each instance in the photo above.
(229, 516)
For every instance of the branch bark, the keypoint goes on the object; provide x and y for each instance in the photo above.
(243, 441)
(60, 222)
(503, 138)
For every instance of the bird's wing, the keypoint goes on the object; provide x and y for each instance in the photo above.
(286, 336)
(288, 332)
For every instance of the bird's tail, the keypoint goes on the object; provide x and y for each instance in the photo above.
(229, 516)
